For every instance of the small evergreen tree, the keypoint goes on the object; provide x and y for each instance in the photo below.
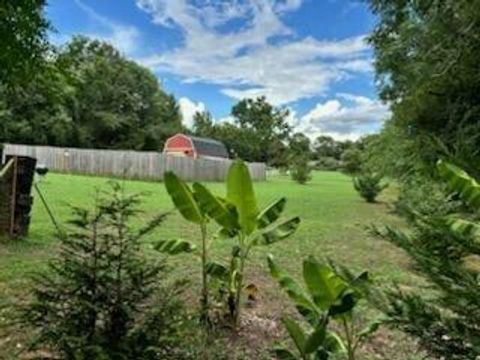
(445, 250)
(300, 170)
(102, 298)
(369, 186)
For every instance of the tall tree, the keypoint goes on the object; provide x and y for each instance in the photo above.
(23, 39)
(263, 123)
(299, 146)
(426, 59)
(88, 95)
(326, 146)
(119, 104)
(203, 124)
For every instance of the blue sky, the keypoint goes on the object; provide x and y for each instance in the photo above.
(306, 55)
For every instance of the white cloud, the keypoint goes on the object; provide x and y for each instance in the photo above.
(226, 119)
(263, 57)
(188, 109)
(288, 5)
(345, 117)
(125, 38)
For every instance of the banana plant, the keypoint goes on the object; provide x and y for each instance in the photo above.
(185, 201)
(468, 189)
(239, 218)
(327, 297)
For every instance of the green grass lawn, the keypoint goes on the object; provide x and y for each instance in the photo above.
(334, 220)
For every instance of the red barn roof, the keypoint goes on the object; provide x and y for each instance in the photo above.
(198, 145)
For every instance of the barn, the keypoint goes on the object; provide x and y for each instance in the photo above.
(195, 147)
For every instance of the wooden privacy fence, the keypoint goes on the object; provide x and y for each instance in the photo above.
(129, 164)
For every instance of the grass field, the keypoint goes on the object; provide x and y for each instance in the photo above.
(333, 225)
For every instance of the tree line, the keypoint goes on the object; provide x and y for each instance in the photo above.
(88, 95)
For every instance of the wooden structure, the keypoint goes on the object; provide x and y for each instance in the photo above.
(195, 147)
(130, 164)
(16, 180)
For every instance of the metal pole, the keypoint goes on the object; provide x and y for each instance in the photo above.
(14, 197)
(50, 214)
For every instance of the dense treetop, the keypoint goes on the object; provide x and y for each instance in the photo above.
(89, 95)
(426, 60)
(23, 37)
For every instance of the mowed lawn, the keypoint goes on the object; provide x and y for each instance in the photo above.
(334, 220)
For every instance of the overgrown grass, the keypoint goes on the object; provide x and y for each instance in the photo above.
(333, 216)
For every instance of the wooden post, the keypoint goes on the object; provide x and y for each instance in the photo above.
(16, 180)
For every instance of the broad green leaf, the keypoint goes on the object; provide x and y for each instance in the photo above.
(464, 227)
(345, 304)
(302, 302)
(278, 232)
(217, 271)
(283, 354)
(225, 234)
(316, 338)
(296, 333)
(182, 198)
(174, 246)
(370, 330)
(322, 354)
(462, 183)
(240, 193)
(334, 344)
(271, 213)
(215, 208)
(322, 282)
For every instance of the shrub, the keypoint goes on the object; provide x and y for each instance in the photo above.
(102, 298)
(328, 163)
(300, 170)
(427, 197)
(352, 160)
(369, 186)
(332, 294)
(445, 250)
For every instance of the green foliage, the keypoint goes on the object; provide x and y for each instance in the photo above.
(352, 161)
(445, 250)
(89, 95)
(433, 90)
(103, 298)
(300, 170)
(187, 203)
(23, 35)
(183, 198)
(269, 124)
(426, 197)
(174, 246)
(241, 195)
(467, 188)
(327, 163)
(327, 147)
(330, 295)
(369, 185)
(254, 228)
(257, 134)
(239, 218)
(299, 145)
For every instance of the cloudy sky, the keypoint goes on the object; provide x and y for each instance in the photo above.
(307, 55)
